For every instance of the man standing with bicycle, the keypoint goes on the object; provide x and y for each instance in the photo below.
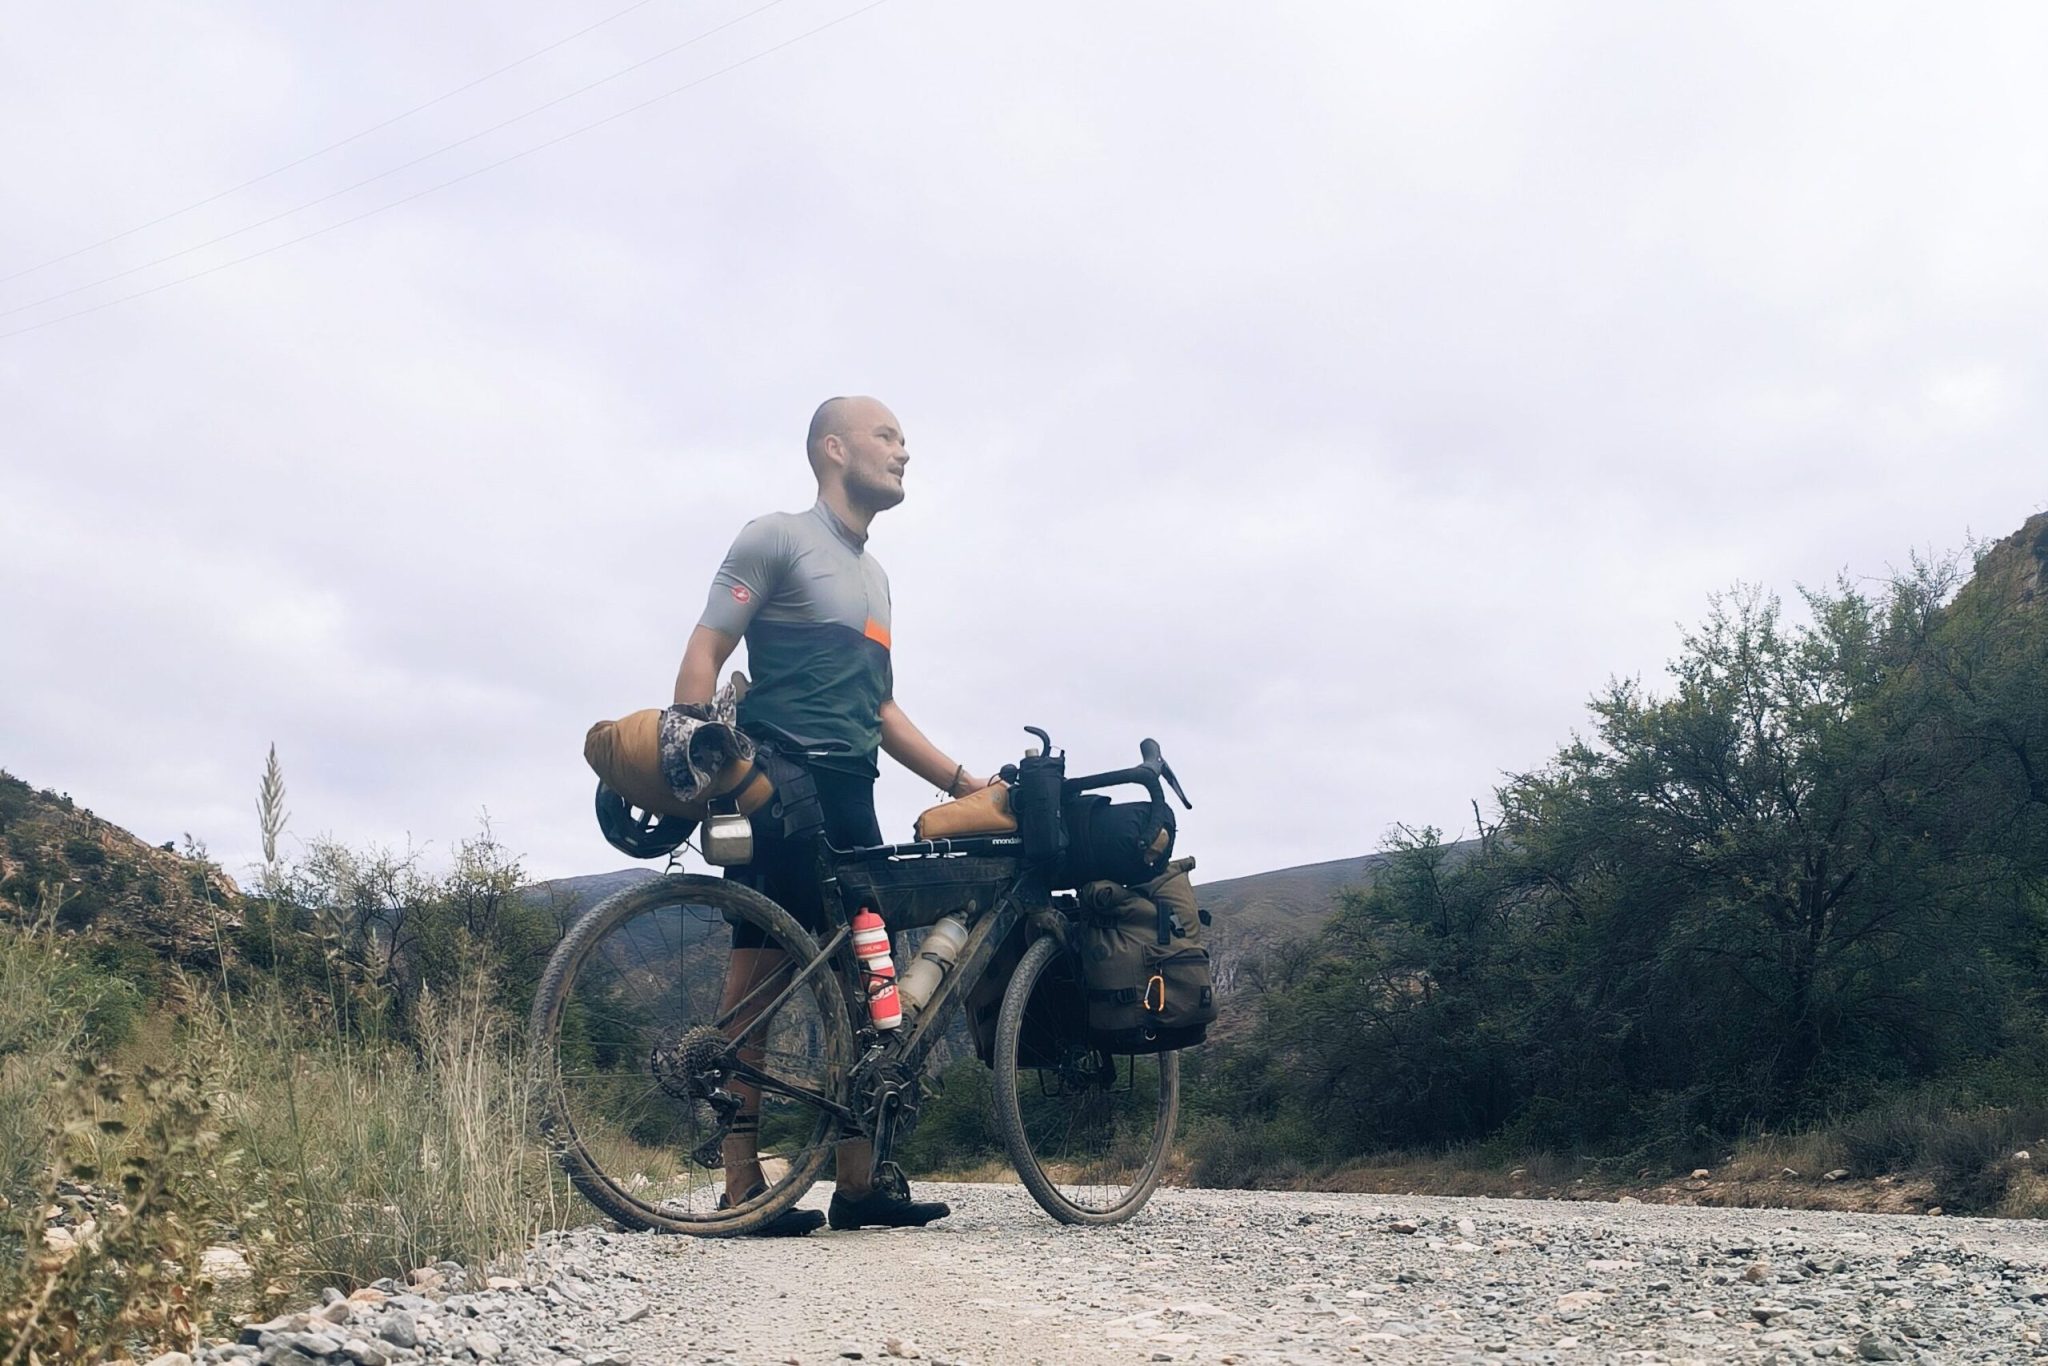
(813, 606)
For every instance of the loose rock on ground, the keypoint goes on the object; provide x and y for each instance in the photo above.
(1228, 1277)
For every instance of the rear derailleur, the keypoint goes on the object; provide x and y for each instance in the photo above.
(694, 1068)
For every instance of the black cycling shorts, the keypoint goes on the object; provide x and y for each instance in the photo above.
(786, 870)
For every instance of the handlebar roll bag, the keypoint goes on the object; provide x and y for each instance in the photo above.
(1119, 842)
(674, 764)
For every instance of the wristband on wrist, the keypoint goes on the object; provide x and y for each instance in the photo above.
(953, 785)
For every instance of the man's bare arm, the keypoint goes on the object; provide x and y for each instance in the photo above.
(703, 657)
(907, 745)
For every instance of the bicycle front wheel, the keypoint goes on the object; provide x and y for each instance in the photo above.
(1088, 1131)
(644, 1073)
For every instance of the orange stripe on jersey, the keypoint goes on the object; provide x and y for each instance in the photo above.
(877, 632)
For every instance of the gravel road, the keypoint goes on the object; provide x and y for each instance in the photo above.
(1245, 1277)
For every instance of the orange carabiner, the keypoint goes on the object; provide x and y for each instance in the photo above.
(1156, 1004)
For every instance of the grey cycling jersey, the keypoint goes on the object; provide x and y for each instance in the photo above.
(813, 607)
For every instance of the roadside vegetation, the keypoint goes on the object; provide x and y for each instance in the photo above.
(1794, 903)
(1787, 913)
(337, 1093)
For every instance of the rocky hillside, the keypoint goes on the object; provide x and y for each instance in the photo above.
(60, 862)
(2015, 569)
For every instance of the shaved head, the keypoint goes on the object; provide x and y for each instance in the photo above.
(856, 446)
(833, 418)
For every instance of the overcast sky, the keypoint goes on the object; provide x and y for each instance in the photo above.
(1340, 393)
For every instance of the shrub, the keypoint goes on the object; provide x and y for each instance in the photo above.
(1269, 1154)
(364, 1158)
(956, 1130)
(1967, 1149)
(69, 1122)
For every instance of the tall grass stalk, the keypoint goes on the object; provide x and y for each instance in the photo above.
(373, 1159)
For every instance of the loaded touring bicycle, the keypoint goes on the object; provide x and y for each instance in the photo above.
(637, 1061)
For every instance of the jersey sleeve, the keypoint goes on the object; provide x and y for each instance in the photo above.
(752, 570)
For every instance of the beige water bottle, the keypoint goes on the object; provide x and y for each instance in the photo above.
(935, 958)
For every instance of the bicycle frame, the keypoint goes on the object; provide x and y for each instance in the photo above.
(892, 1060)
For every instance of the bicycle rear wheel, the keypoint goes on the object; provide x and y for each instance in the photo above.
(635, 1061)
(1087, 1131)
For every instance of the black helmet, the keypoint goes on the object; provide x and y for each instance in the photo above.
(636, 833)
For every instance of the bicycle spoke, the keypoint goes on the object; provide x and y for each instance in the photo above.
(813, 966)
(641, 1073)
(1087, 1144)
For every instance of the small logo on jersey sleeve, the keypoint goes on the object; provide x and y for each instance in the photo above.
(742, 594)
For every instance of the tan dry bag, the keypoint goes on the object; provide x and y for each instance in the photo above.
(626, 755)
(985, 811)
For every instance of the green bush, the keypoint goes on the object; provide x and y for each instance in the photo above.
(956, 1130)
(1267, 1154)
(1808, 877)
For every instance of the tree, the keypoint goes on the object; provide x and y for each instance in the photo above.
(1815, 868)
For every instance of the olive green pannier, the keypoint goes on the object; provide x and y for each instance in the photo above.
(1145, 972)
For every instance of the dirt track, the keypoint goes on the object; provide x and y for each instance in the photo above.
(1238, 1277)
(1251, 1277)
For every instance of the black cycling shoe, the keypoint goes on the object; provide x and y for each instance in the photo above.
(791, 1223)
(888, 1205)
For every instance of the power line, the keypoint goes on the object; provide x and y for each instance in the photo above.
(332, 146)
(386, 174)
(454, 180)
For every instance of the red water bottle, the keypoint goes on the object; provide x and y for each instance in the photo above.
(871, 947)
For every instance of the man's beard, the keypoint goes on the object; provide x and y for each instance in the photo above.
(875, 495)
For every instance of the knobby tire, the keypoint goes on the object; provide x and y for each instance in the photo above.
(1017, 1083)
(588, 952)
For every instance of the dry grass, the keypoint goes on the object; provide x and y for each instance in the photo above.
(995, 1171)
(369, 1159)
(2026, 1196)
(1470, 1171)
(1768, 1157)
(323, 1160)
(110, 1153)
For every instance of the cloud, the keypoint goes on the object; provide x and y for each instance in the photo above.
(1339, 395)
